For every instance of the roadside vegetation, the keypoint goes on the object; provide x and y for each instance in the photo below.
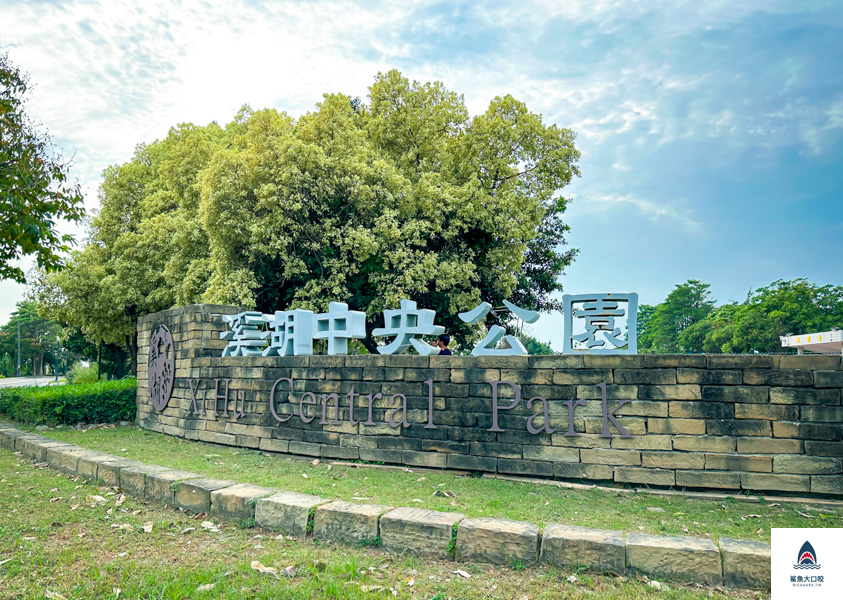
(64, 538)
(472, 496)
(97, 402)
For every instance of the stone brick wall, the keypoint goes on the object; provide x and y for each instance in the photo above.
(753, 422)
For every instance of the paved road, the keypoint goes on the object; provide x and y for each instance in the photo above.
(22, 381)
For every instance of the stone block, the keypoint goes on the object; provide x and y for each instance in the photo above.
(789, 395)
(735, 462)
(133, 479)
(675, 360)
(644, 442)
(348, 522)
(789, 377)
(552, 453)
(703, 443)
(272, 445)
(669, 392)
(770, 412)
(287, 512)
(304, 448)
(812, 362)
(582, 376)
(471, 463)
(778, 482)
(827, 484)
(433, 460)
(108, 472)
(672, 426)
(631, 425)
(237, 502)
(701, 410)
(739, 427)
(823, 448)
(736, 394)
(708, 479)
(681, 558)
(739, 361)
(645, 476)
(808, 465)
(746, 565)
(600, 550)
(756, 445)
(529, 468)
(497, 541)
(161, 486)
(625, 361)
(381, 456)
(828, 379)
(587, 440)
(672, 460)
(645, 376)
(36, 449)
(709, 377)
(87, 466)
(829, 414)
(581, 471)
(611, 457)
(418, 531)
(194, 495)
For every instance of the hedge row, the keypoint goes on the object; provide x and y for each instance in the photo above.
(99, 402)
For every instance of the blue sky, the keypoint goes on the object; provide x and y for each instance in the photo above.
(711, 131)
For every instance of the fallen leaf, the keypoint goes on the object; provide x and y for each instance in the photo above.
(3, 562)
(209, 526)
(415, 500)
(655, 585)
(411, 583)
(315, 462)
(120, 500)
(290, 571)
(807, 516)
(265, 570)
(752, 517)
(305, 475)
(147, 527)
(358, 498)
(97, 499)
(206, 588)
(446, 493)
(572, 578)
(462, 573)
(655, 509)
(187, 530)
(116, 591)
(55, 595)
(371, 588)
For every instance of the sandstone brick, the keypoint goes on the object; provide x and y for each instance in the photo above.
(287, 512)
(701, 410)
(823, 448)
(782, 483)
(645, 476)
(613, 392)
(108, 472)
(580, 441)
(530, 468)
(739, 361)
(674, 360)
(704, 443)
(787, 395)
(600, 550)
(644, 442)
(471, 463)
(758, 427)
(709, 377)
(736, 394)
(682, 558)
(630, 424)
(418, 531)
(87, 466)
(815, 431)
(808, 362)
(790, 377)
(160, 486)
(553, 453)
(497, 541)
(745, 564)
(272, 445)
(304, 448)
(757, 445)
(809, 465)
(828, 379)
(829, 414)
(194, 495)
(435, 460)
(769, 412)
(611, 457)
(827, 484)
(708, 479)
(608, 361)
(669, 426)
(645, 376)
(347, 522)
(237, 502)
(670, 392)
(672, 460)
(582, 376)
(133, 479)
(581, 471)
(734, 462)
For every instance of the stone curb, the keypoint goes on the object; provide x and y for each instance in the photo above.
(420, 532)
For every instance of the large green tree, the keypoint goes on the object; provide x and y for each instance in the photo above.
(38, 337)
(35, 193)
(403, 196)
(665, 325)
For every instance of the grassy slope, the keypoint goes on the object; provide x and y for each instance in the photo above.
(539, 504)
(55, 537)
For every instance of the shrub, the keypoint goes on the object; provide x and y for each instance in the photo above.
(98, 402)
(82, 374)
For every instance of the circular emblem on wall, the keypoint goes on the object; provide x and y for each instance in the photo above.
(161, 367)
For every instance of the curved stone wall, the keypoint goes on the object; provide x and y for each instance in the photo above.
(729, 422)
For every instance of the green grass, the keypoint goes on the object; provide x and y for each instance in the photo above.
(475, 496)
(56, 537)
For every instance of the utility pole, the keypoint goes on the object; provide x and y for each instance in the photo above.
(17, 373)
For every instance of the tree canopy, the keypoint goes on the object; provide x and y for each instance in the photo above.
(687, 320)
(368, 203)
(34, 189)
(38, 339)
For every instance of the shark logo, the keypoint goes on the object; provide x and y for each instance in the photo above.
(807, 558)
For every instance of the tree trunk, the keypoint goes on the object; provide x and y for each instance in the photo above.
(370, 345)
(99, 360)
(132, 343)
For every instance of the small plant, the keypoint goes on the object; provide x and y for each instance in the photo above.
(174, 487)
(517, 565)
(373, 542)
(452, 545)
(311, 520)
(247, 524)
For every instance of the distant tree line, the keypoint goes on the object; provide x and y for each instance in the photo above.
(689, 322)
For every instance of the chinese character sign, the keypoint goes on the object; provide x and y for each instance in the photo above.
(600, 323)
(488, 345)
(245, 338)
(406, 324)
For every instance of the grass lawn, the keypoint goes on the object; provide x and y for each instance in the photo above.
(475, 497)
(66, 538)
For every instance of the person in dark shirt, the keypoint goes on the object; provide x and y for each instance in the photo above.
(444, 340)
